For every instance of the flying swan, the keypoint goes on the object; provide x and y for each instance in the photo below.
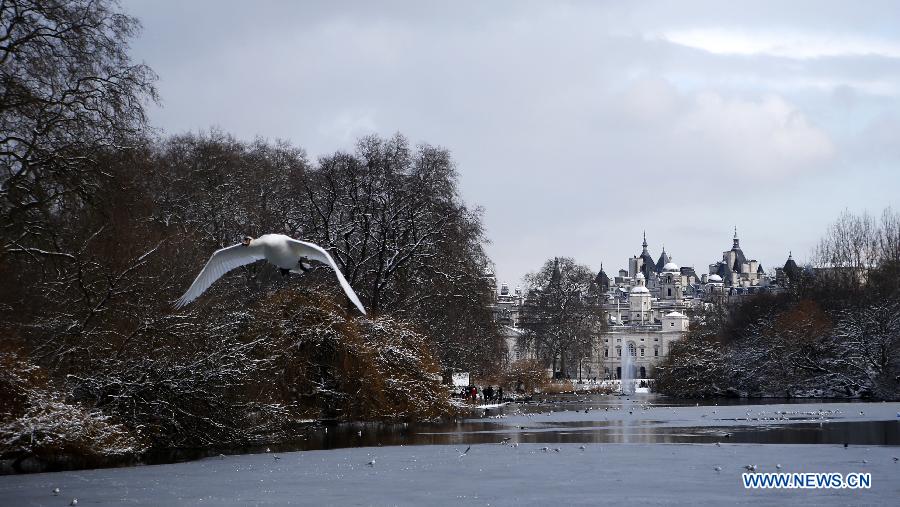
(286, 253)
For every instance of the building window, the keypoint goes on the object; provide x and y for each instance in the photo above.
(670, 292)
(642, 351)
(656, 339)
(619, 351)
(605, 352)
(671, 324)
(656, 351)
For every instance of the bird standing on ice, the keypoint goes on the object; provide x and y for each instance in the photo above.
(286, 253)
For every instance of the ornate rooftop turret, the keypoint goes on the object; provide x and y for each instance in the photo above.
(648, 266)
(663, 260)
(791, 270)
(602, 280)
(739, 258)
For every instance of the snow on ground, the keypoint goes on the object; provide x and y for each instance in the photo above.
(489, 474)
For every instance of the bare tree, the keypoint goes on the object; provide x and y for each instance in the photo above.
(562, 313)
(68, 91)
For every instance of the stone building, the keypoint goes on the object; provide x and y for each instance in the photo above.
(646, 311)
(507, 311)
(735, 270)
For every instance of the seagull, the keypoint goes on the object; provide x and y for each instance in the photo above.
(582, 447)
(750, 468)
(74, 501)
(778, 466)
(286, 253)
(464, 452)
(718, 469)
(56, 490)
(718, 444)
(371, 463)
(277, 457)
(896, 459)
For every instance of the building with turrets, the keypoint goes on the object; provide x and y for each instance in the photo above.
(642, 263)
(646, 311)
(736, 271)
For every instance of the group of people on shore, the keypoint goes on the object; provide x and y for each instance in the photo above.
(485, 394)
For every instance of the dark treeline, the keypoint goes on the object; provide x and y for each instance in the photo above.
(835, 332)
(103, 225)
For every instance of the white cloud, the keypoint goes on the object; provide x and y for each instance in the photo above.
(798, 45)
(706, 131)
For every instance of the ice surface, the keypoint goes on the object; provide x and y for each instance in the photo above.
(490, 474)
(637, 408)
(494, 474)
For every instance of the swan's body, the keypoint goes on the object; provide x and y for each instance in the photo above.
(286, 253)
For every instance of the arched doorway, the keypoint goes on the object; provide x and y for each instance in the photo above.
(643, 372)
(618, 373)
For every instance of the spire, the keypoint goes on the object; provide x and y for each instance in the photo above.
(737, 243)
(644, 244)
(556, 275)
(790, 255)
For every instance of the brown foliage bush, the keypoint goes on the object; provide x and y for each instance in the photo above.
(329, 366)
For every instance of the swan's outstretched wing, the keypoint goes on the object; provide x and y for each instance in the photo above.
(317, 253)
(221, 262)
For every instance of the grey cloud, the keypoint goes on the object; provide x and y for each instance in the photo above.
(574, 124)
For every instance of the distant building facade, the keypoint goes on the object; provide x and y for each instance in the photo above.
(646, 307)
(507, 310)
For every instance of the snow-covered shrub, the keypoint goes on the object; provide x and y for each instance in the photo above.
(186, 390)
(18, 378)
(694, 368)
(36, 421)
(326, 365)
(51, 427)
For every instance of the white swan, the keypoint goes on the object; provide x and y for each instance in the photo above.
(286, 253)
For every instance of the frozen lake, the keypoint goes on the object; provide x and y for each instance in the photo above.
(639, 449)
(638, 419)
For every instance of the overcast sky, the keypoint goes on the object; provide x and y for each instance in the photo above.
(575, 125)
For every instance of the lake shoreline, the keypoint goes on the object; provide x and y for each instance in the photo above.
(698, 421)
